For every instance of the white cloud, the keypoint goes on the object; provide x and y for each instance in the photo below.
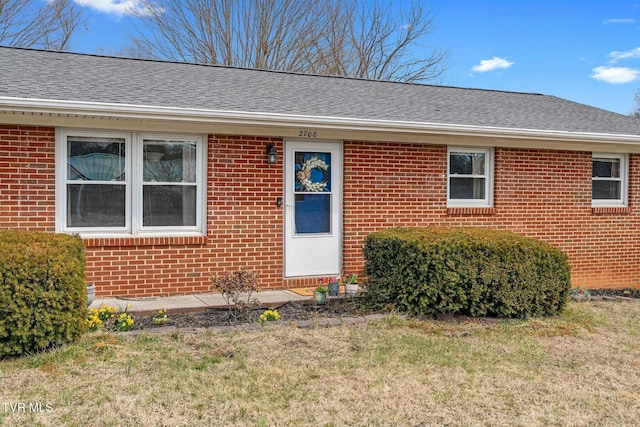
(615, 75)
(619, 21)
(116, 7)
(619, 56)
(491, 64)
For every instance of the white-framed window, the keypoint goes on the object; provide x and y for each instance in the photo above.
(609, 179)
(130, 182)
(470, 177)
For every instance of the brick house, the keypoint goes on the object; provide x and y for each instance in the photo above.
(173, 172)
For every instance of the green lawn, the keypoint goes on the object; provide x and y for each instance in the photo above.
(581, 368)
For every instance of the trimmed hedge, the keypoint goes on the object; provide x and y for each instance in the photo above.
(43, 295)
(470, 271)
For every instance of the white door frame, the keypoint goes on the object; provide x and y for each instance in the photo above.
(313, 254)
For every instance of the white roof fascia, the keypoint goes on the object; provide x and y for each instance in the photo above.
(61, 107)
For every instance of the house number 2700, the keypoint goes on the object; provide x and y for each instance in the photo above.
(308, 133)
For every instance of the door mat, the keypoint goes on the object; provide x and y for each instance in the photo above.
(305, 292)
(308, 292)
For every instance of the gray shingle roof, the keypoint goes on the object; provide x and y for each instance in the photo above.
(26, 73)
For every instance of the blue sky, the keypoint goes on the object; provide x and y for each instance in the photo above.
(587, 51)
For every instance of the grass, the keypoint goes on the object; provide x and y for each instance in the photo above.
(580, 368)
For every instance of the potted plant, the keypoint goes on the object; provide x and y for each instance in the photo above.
(334, 286)
(351, 283)
(91, 293)
(320, 295)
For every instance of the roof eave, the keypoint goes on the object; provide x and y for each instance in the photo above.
(144, 112)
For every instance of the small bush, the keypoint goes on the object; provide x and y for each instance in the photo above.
(470, 271)
(42, 291)
(236, 288)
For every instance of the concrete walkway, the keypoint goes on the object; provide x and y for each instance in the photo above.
(192, 303)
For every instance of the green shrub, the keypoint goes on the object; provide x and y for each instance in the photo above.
(470, 271)
(43, 294)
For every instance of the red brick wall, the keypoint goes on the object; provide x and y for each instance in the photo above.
(541, 193)
(544, 194)
(27, 177)
(244, 230)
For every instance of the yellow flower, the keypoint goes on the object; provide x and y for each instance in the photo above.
(269, 316)
(125, 322)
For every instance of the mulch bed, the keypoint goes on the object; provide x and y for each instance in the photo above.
(289, 312)
(302, 313)
(615, 293)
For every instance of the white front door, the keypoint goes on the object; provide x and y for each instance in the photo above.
(313, 214)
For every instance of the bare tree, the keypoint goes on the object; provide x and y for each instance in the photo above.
(34, 23)
(339, 37)
(636, 110)
(246, 33)
(387, 43)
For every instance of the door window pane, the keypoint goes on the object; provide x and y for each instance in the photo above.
(312, 176)
(312, 172)
(313, 213)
